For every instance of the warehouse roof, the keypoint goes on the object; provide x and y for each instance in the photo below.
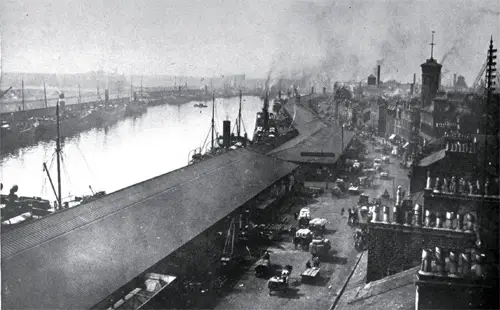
(323, 146)
(76, 258)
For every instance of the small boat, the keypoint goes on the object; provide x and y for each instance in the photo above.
(200, 105)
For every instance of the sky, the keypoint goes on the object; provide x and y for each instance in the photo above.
(324, 40)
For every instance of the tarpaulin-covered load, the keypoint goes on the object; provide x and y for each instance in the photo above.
(305, 213)
(303, 233)
(318, 222)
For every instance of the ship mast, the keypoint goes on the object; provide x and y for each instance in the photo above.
(213, 122)
(22, 92)
(239, 116)
(141, 88)
(58, 153)
(79, 95)
(45, 93)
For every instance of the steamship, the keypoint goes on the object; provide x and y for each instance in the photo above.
(137, 106)
(220, 144)
(265, 123)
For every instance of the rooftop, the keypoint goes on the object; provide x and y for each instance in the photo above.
(393, 292)
(323, 146)
(76, 258)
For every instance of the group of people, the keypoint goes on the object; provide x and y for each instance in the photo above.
(315, 262)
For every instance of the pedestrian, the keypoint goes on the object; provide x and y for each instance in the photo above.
(308, 265)
(342, 212)
(296, 215)
(316, 261)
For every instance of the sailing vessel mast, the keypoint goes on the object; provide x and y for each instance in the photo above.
(79, 94)
(213, 121)
(239, 117)
(141, 87)
(45, 93)
(58, 153)
(22, 90)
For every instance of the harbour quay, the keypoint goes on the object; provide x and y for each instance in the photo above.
(100, 252)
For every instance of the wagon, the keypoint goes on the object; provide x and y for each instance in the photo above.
(310, 274)
(304, 217)
(277, 284)
(303, 237)
(320, 248)
(317, 225)
(262, 268)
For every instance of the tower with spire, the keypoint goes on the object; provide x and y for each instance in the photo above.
(431, 74)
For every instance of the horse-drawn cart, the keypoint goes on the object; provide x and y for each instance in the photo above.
(262, 268)
(280, 284)
(318, 225)
(310, 274)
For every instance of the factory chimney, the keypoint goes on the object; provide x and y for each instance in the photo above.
(206, 90)
(279, 94)
(312, 90)
(412, 88)
(226, 133)
(378, 76)
(324, 90)
(106, 95)
(454, 80)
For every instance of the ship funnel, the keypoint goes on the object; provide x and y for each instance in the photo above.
(226, 133)
(106, 95)
(62, 102)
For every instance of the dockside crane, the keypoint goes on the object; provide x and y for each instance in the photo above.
(4, 92)
(475, 85)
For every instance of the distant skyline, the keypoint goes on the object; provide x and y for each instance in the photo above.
(339, 40)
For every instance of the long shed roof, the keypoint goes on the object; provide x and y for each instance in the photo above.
(76, 258)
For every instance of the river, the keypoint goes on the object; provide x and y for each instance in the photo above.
(131, 151)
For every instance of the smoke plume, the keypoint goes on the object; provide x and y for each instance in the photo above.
(319, 41)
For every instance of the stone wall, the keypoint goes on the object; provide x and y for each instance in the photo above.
(394, 247)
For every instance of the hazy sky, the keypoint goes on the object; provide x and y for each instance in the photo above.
(328, 39)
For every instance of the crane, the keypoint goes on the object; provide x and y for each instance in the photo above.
(480, 74)
(3, 92)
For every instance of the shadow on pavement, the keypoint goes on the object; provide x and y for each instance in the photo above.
(291, 293)
(318, 281)
(329, 231)
(338, 260)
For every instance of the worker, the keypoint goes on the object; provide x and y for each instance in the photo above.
(316, 261)
(296, 242)
(308, 265)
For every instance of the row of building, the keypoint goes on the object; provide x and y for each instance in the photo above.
(446, 228)
(410, 118)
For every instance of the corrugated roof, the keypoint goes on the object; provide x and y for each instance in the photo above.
(325, 140)
(434, 157)
(302, 116)
(76, 258)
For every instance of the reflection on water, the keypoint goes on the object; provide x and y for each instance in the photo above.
(129, 152)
